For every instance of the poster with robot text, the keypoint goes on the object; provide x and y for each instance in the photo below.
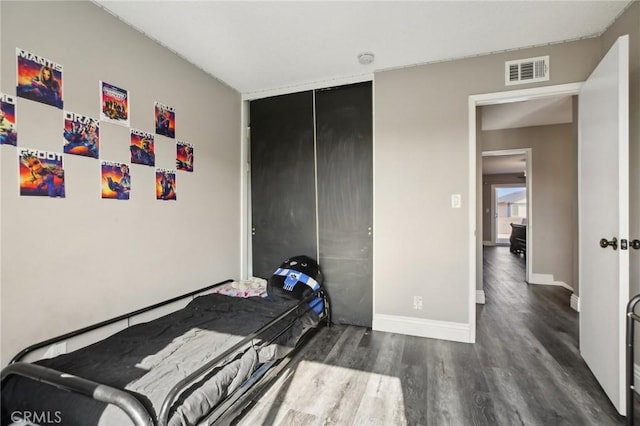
(8, 129)
(114, 104)
(184, 156)
(41, 173)
(39, 79)
(142, 148)
(165, 118)
(81, 135)
(116, 180)
(165, 184)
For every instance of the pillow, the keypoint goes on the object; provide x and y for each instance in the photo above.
(244, 288)
(296, 278)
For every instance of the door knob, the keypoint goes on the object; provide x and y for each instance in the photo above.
(613, 243)
(635, 244)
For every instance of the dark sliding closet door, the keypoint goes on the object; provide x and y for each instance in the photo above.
(344, 128)
(283, 199)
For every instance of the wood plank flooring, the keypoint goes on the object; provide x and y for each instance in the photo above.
(525, 368)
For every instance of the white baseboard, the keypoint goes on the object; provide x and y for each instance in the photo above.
(547, 279)
(488, 243)
(480, 297)
(575, 302)
(454, 331)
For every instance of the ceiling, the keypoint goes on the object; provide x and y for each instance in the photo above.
(501, 164)
(264, 46)
(537, 112)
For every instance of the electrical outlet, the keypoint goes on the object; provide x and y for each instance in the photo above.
(417, 302)
(456, 201)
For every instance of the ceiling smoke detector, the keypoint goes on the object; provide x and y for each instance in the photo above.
(365, 58)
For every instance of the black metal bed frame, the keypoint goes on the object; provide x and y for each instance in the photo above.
(632, 317)
(127, 402)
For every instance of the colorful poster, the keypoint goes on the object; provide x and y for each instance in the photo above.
(142, 148)
(8, 131)
(116, 180)
(114, 104)
(165, 120)
(81, 135)
(165, 184)
(39, 79)
(184, 156)
(41, 173)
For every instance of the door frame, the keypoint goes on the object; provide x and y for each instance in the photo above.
(528, 185)
(494, 209)
(475, 177)
(529, 178)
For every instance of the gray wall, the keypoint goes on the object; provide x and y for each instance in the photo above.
(554, 196)
(487, 181)
(70, 262)
(421, 134)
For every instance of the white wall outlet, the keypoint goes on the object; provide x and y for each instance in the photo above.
(456, 201)
(55, 350)
(417, 302)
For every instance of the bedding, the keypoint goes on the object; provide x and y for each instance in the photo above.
(244, 288)
(148, 359)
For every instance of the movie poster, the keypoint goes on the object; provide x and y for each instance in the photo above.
(184, 156)
(41, 173)
(81, 135)
(39, 79)
(116, 180)
(142, 148)
(114, 104)
(165, 184)
(8, 130)
(165, 120)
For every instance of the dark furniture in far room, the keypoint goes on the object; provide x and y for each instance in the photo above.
(518, 239)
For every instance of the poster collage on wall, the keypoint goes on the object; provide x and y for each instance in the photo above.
(41, 173)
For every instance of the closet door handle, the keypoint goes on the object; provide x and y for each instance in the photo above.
(635, 244)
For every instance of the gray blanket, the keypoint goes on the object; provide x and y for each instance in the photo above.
(149, 359)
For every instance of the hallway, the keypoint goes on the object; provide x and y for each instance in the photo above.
(528, 335)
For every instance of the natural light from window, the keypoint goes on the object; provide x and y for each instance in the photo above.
(381, 400)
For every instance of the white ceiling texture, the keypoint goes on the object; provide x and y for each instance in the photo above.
(262, 47)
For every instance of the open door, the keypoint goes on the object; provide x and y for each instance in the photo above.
(603, 158)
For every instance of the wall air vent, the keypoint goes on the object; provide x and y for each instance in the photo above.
(528, 70)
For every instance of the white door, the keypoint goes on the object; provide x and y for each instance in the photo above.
(603, 156)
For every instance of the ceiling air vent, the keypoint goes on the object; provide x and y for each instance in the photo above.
(527, 70)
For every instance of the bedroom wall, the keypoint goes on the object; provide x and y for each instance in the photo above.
(554, 198)
(421, 134)
(67, 263)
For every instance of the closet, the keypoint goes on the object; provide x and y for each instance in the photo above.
(312, 190)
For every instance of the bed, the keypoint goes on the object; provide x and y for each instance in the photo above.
(198, 365)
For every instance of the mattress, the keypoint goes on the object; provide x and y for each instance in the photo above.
(149, 359)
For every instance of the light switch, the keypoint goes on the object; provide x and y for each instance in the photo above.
(456, 201)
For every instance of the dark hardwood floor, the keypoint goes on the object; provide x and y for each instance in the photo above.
(525, 368)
